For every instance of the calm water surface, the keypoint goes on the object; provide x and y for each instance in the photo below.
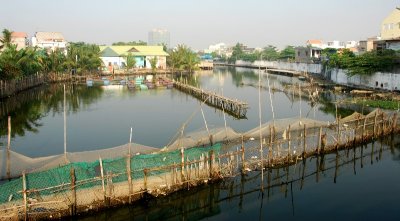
(356, 184)
(101, 117)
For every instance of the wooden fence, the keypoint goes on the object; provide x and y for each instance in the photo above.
(278, 151)
(10, 87)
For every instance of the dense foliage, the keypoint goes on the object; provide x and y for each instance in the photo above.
(79, 57)
(129, 43)
(182, 58)
(269, 53)
(364, 64)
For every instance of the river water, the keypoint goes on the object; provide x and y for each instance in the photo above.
(101, 117)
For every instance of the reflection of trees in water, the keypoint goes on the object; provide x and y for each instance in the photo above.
(327, 101)
(239, 193)
(29, 107)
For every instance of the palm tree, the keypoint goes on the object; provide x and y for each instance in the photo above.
(6, 39)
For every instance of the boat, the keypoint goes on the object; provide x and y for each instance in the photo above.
(89, 83)
(143, 87)
(131, 86)
(302, 78)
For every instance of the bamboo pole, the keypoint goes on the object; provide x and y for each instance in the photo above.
(102, 180)
(383, 125)
(24, 192)
(289, 143)
(394, 123)
(65, 129)
(182, 165)
(129, 175)
(374, 129)
(212, 156)
(259, 116)
(304, 141)
(319, 140)
(338, 132)
(243, 161)
(73, 192)
(8, 148)
(145, 178)
(363, 129)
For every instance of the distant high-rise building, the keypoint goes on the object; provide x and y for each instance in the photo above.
(159, 37)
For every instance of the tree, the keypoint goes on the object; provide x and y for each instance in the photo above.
(18, 63)
(153, 62)
(287, 53)
(83, 57)
(365, 64)
(6, 39)
(270, 53)
(129, 43)
(182, 58)
(237, 53)
(130, 61)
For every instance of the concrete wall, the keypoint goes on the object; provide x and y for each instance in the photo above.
(302, 67)
(379, 80)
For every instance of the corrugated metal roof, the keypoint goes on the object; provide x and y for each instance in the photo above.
(134, 50)
(108, 52)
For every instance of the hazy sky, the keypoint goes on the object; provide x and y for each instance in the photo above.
(199, 23)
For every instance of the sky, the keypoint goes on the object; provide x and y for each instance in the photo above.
(200, 23)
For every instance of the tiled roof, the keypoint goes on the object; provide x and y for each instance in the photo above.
(314, 41)
(49, 36)
(18, 35)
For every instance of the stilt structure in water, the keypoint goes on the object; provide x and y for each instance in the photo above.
(233, 107)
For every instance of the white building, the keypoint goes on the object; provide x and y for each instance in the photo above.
(50, 41)
(332, 44)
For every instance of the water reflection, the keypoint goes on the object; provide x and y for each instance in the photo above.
(307, 189)
(29, 107)
(101, 117)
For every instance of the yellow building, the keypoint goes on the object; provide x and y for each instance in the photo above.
(390, 28)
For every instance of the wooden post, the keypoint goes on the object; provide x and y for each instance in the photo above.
(24, 192)
(374, 130)
(289, 143)
(145, 178)
(363, 129)
(237, 158)
(129, 175)
(383, 125)
(319, 140)
(338, 132)
(394, 123)
(73, 205)
(182, 165)
(8, 148)
(211, 163)
(304, 140)
(243, 162)
(102, 181)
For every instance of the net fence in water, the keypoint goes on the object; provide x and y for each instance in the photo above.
(84, 171)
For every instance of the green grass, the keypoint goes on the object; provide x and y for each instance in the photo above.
(392, 105)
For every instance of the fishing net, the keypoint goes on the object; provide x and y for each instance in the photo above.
(204, 137)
